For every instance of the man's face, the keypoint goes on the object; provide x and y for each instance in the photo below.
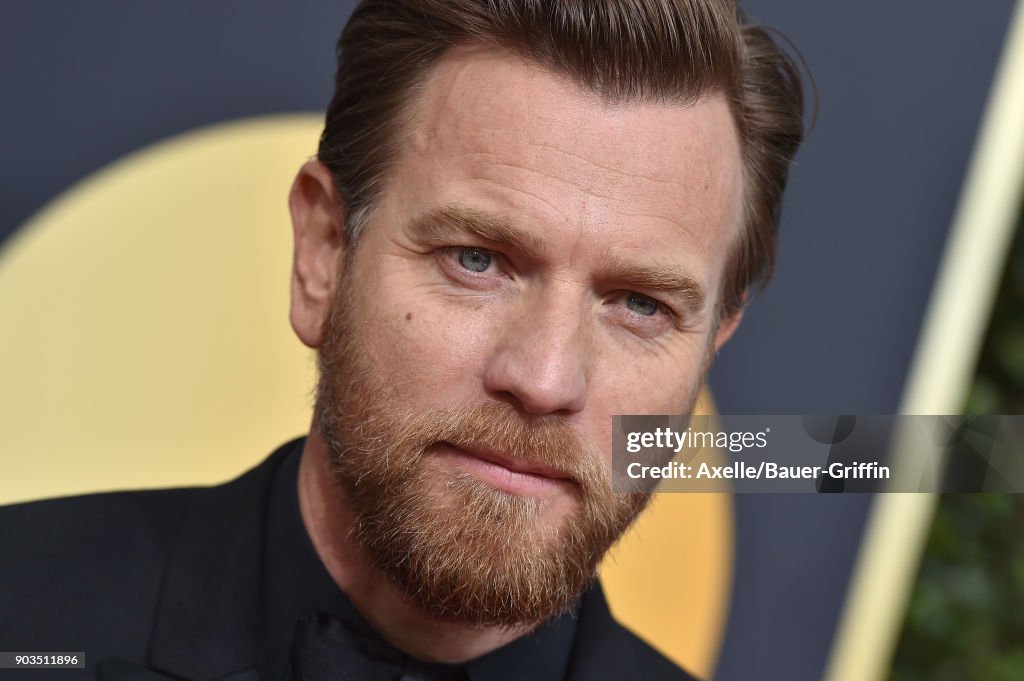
(538, 261)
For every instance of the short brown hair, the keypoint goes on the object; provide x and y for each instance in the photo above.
(672, 51)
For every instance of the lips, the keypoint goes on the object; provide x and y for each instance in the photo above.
(511, 463)
(509, 473)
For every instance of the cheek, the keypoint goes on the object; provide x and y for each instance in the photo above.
(643, 384)
(652, 380)
(433, 350)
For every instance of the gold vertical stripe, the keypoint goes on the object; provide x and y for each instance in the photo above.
(943, 366)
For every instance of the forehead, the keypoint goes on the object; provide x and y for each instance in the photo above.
(489, 125)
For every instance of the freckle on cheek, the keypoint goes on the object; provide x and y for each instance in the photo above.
(408, 316)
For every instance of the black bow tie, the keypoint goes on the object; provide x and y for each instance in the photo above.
(328, 648)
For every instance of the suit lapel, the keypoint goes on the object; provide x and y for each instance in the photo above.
(207, 618)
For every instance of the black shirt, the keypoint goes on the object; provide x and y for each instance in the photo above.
(295, 581)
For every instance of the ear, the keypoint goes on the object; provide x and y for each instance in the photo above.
(727, 327)
(318, 228)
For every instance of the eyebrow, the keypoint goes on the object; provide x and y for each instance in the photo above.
(661, 278)
(442, 224)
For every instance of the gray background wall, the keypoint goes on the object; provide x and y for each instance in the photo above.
(901, 88)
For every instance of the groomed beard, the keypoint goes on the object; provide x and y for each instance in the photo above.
(459, 549)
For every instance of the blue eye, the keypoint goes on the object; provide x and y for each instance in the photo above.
(642, 305)
(475, 259)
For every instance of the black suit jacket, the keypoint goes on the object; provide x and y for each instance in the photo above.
(165, 584)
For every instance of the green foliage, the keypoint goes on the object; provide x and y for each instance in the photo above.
(965, 620)
(966, 617)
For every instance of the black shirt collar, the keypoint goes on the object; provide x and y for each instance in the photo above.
(295, 581)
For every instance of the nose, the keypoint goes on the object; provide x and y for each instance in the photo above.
(539, 365)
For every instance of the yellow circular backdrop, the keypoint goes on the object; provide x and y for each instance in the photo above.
(146, 343)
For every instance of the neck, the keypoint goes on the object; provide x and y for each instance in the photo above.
(328, 519)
